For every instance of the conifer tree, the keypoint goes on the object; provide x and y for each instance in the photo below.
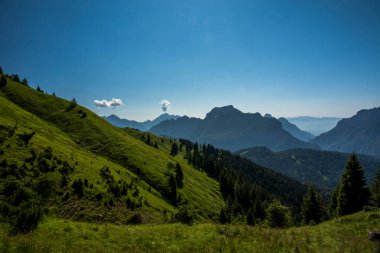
(311, 207)
(173, 188)
(178, 172)
(174, 150)
(224, 217)
(251, 217)
(3, 81)
(353, 193)
(1, 70)
(375, 189)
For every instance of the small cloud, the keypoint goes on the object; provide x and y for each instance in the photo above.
(165, 104)
(115, 102)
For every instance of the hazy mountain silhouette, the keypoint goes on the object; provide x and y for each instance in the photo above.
(142, 126)
(314, 125)
(360, 134)
(295, 131)
(229, 128)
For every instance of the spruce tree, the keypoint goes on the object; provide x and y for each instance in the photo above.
(173, 188)
(251, 217)
(224, 217)
(1, 70)
(353, 193)
(311, 207)
(375, 189)
(3, 81)
(178, 172)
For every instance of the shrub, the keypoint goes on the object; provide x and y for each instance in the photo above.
(184, 215)
(278, 215)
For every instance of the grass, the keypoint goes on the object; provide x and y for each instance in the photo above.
(345, 234)
(89, 143)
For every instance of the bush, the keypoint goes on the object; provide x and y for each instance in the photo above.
(184, 215)
(278, 215)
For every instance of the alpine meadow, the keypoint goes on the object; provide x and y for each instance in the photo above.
(190, 126)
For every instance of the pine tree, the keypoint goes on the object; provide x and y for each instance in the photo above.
(38, 88)
(258, 209)
(24, 82)
(178, 172)
(224, 217)
(353, 193)
(375, 189)
(3, 81)
(174, 150)
(311, 207)
(251, 217)
(1, 70)
(173, 188)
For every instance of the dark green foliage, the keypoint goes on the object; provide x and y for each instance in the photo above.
(78, 188)
(278, 215)
(375, 189)
(39, 89)
(24, 82)
(184, 215)
(258, 210)
(224, 216)
(312, 211)
(25, 137)
(173, 189)
(3, 81)
(73, 104)
(1, 70)
(318, 167)
(174, 149)
(251, 220)
(353, 193)
(242, 181)
(19, 206)
(179, 174)
(15, 78)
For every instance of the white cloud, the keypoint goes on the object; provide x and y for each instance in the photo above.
(115, 102)
(165, 104)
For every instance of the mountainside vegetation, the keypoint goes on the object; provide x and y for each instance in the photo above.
(321, 168)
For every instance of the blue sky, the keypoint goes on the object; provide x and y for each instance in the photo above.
(287, 58)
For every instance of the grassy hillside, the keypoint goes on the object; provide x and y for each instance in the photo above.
(345, 234)
(86, 140)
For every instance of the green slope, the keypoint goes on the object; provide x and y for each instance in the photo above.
(345, 234)
(92, 143)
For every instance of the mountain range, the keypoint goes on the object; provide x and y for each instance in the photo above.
(314, 125)
(142, 126)
(360, 133)
(227, 127)
(317, 167)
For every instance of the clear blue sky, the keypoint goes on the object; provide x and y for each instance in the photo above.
(287, 58)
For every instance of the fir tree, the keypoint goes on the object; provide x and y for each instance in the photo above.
(311, 208)
(353, 193)
(174, 150)
(251, 217)
(1, 70)
(178, 172)
(224, 217)
(173, 188)
(375, 189)
(3, 81)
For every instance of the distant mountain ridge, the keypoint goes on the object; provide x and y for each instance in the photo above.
(227, 127)
(321, 168)
(295, 131)
(360, 133)
(314, 125)
(142, 126)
